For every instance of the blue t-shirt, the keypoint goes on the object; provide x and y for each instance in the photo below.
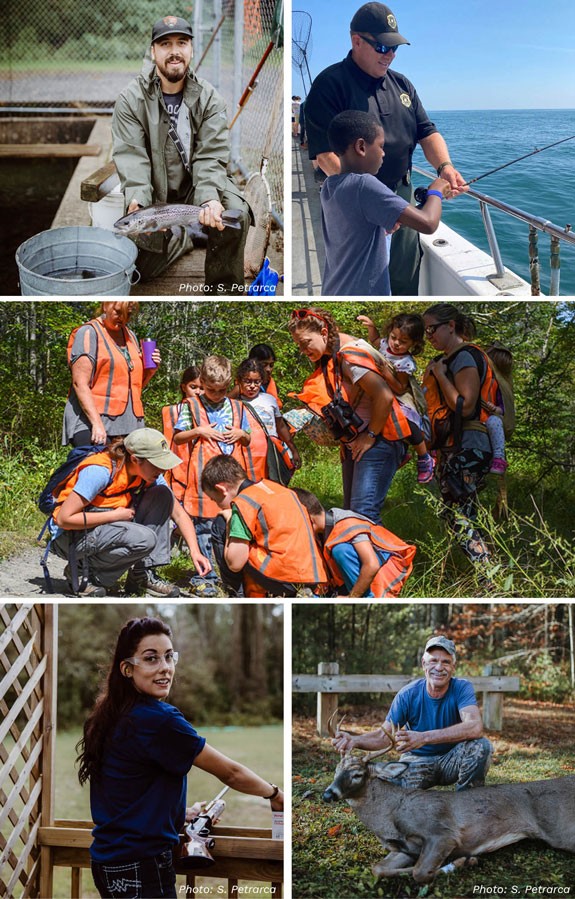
(415, 707)
(139, 802)
(356, 211)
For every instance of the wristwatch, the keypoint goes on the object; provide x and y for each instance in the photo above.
(274, 794)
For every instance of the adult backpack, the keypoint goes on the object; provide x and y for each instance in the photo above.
(48, 498)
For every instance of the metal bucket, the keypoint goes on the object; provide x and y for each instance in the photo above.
(77, 261)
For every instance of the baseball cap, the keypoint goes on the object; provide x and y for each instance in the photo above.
(151, 445)
(171, 25)
(378, 20)
(442, 643)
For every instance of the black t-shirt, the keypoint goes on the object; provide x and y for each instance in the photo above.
(173, 103)
(392, 99)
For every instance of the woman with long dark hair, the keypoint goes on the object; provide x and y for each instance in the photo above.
(455, 383)
(136, 753)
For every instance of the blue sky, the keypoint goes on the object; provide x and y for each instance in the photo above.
(466, 54)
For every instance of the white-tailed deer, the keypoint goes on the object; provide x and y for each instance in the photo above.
(425, 829)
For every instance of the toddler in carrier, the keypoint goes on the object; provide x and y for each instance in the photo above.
(402, 340)
(503, 367)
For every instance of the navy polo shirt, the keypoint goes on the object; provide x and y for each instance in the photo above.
(391, 99)
(139, 802)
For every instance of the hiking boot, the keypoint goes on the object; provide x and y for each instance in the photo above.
(498, 466)
(88, 589)
(425, 469)
(207, 589)
(147, 581)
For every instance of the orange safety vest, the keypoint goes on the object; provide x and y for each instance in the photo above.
(260, 446)
(118, 494)
(176, 476)
(443, 419)
(315, 394)
(283, 545)
(114, 381)
(393, 574)
(200, 451)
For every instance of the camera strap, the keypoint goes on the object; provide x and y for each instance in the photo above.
(333, 394)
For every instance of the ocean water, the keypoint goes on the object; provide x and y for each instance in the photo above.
(480, 140)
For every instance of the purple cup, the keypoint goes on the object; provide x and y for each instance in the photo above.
(148, 347)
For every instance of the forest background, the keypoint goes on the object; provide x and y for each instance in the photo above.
(534, 548)
(332, 851)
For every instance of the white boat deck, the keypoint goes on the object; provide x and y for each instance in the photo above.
(451, 265)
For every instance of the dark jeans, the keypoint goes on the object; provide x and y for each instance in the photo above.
(152, 878)
(367, 482)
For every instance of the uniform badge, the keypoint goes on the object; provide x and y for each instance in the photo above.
(392, 22)
(170, 21)
(405, 99)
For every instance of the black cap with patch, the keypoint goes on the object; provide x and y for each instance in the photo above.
(172, 25)
(378, 20)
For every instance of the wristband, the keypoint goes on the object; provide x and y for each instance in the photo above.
(435, 193)
(442, 166)
(274, 794)
(371, 434)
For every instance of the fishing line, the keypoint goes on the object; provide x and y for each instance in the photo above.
(421, 192)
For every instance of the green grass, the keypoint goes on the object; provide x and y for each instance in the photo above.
(333, 851)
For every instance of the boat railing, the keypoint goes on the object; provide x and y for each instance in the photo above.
(535, 224)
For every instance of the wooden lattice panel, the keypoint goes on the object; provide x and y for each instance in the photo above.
(27, 672)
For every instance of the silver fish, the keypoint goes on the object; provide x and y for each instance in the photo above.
(174, 216)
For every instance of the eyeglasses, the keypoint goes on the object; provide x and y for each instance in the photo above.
(379, 48)
(154, 661)
(300, 314)
(431, 329)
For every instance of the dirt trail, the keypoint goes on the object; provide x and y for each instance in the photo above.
(21, 575)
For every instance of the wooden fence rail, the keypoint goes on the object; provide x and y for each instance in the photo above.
(328, 683)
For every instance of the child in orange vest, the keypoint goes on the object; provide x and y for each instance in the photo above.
(268, 534)
(362, 556)
(210, 424)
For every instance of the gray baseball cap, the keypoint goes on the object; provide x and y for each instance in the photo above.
(442, 643)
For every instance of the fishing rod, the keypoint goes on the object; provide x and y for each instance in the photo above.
(519, 158)
(421, 192)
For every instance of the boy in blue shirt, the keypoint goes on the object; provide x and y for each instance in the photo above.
(358, 211)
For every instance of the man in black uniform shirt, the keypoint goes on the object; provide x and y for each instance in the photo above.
(364, 81)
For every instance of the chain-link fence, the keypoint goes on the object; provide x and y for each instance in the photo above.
(79, 56)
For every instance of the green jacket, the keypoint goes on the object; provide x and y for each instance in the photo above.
(140, 136)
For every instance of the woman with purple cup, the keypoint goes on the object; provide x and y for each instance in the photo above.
(108, 376)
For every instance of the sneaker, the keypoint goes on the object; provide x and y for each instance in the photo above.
(498, 466)
(147, 581)
(425, 469)
(206, 589)
(87, 589)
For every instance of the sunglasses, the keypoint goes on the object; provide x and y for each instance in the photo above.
(300, 314)
(431, 329)
(379, 48)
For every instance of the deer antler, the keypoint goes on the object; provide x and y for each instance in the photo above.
(330, 728)
(370, 756)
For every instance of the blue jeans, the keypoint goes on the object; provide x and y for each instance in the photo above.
(203, 528)
(366, 483)
(150, 878)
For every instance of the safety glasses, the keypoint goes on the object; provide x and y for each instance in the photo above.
(379, 48)
(155, 661)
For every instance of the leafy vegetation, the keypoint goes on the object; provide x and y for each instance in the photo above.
(534, 551)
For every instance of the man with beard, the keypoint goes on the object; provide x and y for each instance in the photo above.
(171, 145)
(441, 740)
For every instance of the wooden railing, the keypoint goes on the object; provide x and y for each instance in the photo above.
(328, 683)
(240, 853)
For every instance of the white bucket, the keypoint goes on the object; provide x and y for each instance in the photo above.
(107, 210)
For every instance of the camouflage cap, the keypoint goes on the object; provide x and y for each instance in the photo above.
(442, 643)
